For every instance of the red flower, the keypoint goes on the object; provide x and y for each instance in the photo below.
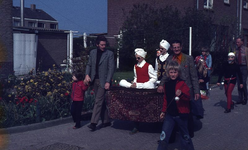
(66, 94)
(31, 100)
(92, 92)
(1, 98)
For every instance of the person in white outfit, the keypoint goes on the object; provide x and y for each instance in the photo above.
(144, 74)
(160, 62)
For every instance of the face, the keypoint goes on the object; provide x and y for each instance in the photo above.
(162, 50)
(239, 43)
(74, 78)
(139, 58)
(173, 74)
(101, 45)
(204, 53)
(231, 58)
(177, 48)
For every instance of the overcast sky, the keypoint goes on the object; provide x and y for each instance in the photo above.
(88, 16)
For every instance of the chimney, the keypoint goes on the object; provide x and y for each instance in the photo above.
(33, 7)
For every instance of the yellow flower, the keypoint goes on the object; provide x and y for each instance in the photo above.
(27, 82)
(31, 80)
(68, 92)
(53, 65)
(15, 87)
(49, 70)
(49, 93)
(62, 95)
(8, 81)
(9, 95)
(59, 84)
(46, 73)
(21, 78)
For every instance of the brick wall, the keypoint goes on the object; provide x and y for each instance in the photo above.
(6, 38)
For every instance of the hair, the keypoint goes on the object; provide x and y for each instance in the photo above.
(173, 65)
(176, 41)
(241, 38)
(100, 38)
(205, 49)
(201, 68)
(79, 75)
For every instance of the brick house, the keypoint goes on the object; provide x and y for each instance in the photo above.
(237, 9)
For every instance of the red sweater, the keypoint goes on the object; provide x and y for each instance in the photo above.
(183, 105)
(142, 73)
(78, 90)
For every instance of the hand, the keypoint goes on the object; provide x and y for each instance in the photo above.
(218, 84)
(87, 79)
(241, 86)
(178, 93)
(162, 115)
(107, 85)
(197, 96)
(160, 89)
(133, 85)
(201, 80)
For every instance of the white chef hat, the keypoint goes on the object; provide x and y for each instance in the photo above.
(141, 52)
(165, 44)
(231, 54)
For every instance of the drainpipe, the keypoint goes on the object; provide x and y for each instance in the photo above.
(22, 13)
(197, 4)
(240, 17)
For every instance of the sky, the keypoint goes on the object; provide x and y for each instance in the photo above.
(89, 16)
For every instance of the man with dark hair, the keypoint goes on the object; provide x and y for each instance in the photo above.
(99, 71)
(189, 74)
(241, 58)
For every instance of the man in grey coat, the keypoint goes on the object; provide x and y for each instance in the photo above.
(99, 71)
(189, 74)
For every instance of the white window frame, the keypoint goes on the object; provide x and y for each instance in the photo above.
(209, 4)
(227, 1)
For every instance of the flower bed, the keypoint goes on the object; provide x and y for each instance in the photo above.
(37, 98)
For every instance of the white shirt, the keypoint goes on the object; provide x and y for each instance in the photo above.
(152, 75)
(161, 58)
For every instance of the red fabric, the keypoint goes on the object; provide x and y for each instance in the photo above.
(142, 73)
(229, 94)
(78, 90)
(183, 103)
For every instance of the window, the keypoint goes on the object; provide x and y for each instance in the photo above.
(245, 5)
(226, 1)
(208, 4)
(41, 25)
(31, 24)
(16, 23)
(53, 26)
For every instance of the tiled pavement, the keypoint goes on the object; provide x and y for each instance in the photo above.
(217, 131)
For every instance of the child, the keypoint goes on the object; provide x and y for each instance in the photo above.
(77, 96)
(176, 108)
(202, 73)
(230, 70)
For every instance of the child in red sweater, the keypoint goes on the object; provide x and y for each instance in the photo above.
(176, 108)
(77, 96)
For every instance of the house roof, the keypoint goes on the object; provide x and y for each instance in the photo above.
(32, 13)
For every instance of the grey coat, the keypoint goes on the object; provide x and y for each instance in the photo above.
(106, 66)
(188, 73)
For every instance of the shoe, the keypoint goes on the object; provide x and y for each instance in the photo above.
(240, 102)
(76, 127)
(92, 126)
(244, 102)
(106, 124)
(134, 131)
(227, 111)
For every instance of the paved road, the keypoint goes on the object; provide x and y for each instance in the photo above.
(217, 131)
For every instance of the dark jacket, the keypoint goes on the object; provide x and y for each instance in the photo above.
(183, 104)
(78, 90)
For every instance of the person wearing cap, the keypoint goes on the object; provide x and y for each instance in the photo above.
(144, 74)
(208, 61)
(241, 58)
(230, 71)
(160, 62)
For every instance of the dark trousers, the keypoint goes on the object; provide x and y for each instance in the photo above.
(76, 109)
(168, 125)
(242, 91)
(228, 91)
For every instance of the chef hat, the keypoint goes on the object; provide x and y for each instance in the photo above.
(140, 52)
(231, 54)
(165, 44)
